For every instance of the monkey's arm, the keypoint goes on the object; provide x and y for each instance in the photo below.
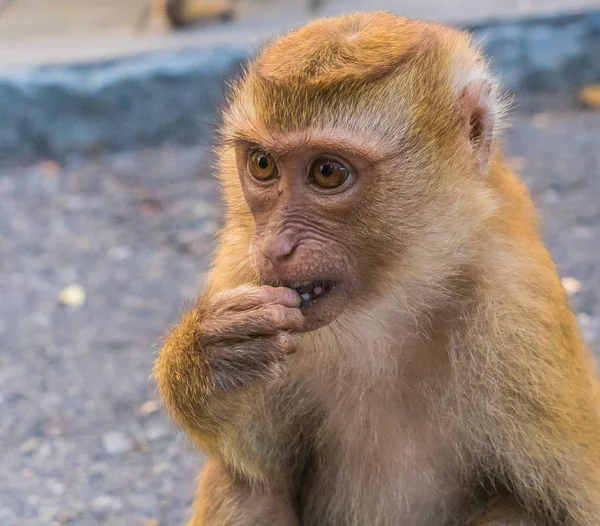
(226, 348)
(217, 389)
(217, 373)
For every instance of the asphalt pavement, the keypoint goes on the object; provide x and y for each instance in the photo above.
(97, 259)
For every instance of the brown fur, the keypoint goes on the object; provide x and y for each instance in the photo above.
(454, 384)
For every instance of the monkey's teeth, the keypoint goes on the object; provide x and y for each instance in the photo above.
(310, 291)
(304, 288)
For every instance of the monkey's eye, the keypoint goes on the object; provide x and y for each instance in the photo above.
(328, 173)
(262, 166)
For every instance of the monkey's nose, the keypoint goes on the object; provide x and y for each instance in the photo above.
(279, 249)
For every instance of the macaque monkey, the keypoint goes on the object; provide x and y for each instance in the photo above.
(383, 339)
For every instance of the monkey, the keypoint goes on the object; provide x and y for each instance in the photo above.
(383, 337)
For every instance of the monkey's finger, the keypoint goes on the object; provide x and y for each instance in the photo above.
(265, 320)
(282, 296)
(275, 295)
(249, 296)
(280, 317)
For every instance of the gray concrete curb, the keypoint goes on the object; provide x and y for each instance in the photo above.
(174, 96)
(545, 54)
(133, 102)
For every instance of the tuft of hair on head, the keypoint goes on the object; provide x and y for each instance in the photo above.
(351, 47)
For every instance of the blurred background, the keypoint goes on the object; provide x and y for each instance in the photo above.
(108, 211)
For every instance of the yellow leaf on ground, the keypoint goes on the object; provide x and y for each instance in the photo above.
(149, 407)
(571, 285)
(590, 95)
(73, 295)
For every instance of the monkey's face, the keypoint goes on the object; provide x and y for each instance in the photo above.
(358, 177)
(310, 202)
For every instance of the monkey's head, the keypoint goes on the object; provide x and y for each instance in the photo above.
(355, 157)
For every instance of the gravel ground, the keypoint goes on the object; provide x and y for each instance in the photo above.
(82, 440)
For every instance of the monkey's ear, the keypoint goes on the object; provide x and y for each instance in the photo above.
(476, 104)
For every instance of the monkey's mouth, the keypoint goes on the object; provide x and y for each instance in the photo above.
(313, 291)
(322, 300)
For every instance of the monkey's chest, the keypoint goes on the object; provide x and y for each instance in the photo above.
(382, 467)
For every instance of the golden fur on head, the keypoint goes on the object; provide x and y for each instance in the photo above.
(354, 48)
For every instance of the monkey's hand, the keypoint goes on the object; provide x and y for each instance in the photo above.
(231, 340)
(245, 333)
